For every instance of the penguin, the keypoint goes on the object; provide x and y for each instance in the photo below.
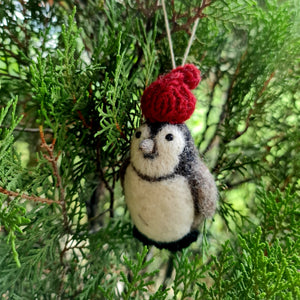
(168, 189)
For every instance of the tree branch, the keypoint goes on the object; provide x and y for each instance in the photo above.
(31, 130)
(231, 186)
(27, 197)
(53, 161)
(210, 107)
(80, 115)
(224, 111)
(11, 76)
(252, 109)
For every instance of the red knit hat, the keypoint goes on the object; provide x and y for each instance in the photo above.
(169, 99)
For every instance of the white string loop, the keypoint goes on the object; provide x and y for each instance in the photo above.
(170, 39)
(168, 34)
(187, 50)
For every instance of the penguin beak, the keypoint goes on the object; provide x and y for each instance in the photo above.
(148, 148)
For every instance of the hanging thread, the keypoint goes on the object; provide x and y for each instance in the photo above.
(168, 34)
(190, 41)
(170, 39)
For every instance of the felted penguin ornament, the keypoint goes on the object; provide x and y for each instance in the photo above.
(168, 190)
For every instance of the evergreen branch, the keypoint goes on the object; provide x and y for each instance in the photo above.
(178, 25)
(198, 14)
(122, 134)
(9, 53)
(147, 11)
(225, 113)
(100, 215)
(210, 107)
(265, 85)
(15, 39)
(11, 76)
(139, 50)
(80, 115)
(252, 110)
(230, 186)
(27, 129)
(106, 183)
(139, 280)
(53, 161)
(111, 192)
(230, 89)
(27, 197)
(169, 270)
(68, 245)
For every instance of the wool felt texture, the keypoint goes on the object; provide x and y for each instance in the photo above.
(169, 99)
(168, 189)
(161, 159)
(161, 210)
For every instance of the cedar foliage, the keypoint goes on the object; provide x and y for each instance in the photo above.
(71, 76)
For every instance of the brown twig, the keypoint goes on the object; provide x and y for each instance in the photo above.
(27, 197)
(122, 134)
(265, 85)
(198, 14)
(99, 215)
(147, 11)
(80, 115)
(31, 130)
(14, 38)
(176, 23)
(230, 186)
(68, 246)
(10, 53)
(53, 161)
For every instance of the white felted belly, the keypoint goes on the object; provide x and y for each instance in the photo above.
(161, 210)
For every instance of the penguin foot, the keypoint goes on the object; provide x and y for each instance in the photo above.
(171, 246)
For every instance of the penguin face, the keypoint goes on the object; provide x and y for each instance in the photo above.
(156, 148)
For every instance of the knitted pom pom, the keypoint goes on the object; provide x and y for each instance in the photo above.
(169, 99)
(191, 75)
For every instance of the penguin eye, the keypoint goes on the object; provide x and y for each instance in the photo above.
(169, 137)
(138, 134)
